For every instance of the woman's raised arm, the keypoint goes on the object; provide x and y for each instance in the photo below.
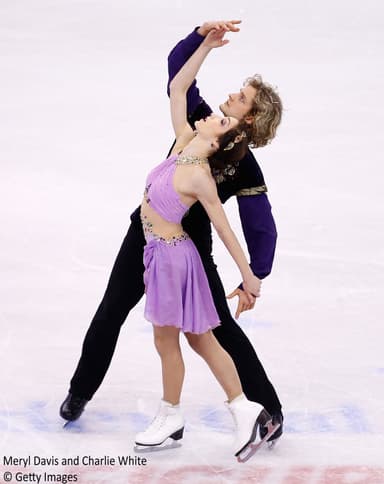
(184, 78)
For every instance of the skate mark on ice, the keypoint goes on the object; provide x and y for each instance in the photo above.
(215, 419)
(356, 419)
(348, 418)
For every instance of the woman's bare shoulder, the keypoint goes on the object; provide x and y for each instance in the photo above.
(201, 181)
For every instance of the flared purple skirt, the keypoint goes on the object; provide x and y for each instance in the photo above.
(176, 286)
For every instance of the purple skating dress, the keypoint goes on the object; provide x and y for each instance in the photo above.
(176, 286)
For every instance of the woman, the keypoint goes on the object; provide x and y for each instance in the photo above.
(178, 297)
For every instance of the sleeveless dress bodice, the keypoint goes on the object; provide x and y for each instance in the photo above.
(161, 194)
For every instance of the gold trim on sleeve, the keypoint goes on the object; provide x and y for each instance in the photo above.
(252, 191)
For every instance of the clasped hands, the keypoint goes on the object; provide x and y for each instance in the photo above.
(246, 297)
(214, 32)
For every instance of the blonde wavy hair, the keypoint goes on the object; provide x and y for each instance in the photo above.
(267, 111)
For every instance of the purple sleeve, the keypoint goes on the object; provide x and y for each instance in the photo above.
(177, 58)
(259, 231)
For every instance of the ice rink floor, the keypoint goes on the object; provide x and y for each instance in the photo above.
(83, 117)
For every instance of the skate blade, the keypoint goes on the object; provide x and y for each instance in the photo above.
(72, 426)
(69, 424)
(141, 449)
(252, 448)
(272, 443)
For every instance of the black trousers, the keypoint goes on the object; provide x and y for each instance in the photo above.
(125, 289)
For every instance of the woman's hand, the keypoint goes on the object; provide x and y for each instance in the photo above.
(243, 303)
(252, 286)
(215, 38)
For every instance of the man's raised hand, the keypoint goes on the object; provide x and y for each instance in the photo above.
(215, 38)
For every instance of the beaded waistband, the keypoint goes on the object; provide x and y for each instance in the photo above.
(149, 234)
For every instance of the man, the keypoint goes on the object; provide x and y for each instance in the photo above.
(125, 287)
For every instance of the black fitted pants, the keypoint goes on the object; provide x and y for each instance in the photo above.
(125, 289)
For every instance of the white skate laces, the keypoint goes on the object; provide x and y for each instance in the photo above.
(156, 424)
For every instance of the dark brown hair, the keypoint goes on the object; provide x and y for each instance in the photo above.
(230, 151)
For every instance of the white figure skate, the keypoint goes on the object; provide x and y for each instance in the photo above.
(248, 417)
(168, 423)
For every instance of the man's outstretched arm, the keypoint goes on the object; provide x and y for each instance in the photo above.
(260, 235)
(257, 221)
(259, 229)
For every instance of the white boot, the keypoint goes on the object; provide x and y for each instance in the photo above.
(245, 415)
(169, 422)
